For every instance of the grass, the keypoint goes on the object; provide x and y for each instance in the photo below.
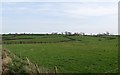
(88, 55)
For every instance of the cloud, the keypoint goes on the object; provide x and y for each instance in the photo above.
(50, 16)
(92, 11)
(76, 10)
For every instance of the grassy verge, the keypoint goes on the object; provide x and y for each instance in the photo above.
(13, 65)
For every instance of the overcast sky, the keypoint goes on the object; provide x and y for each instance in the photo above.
(59, 0)
(46, 17)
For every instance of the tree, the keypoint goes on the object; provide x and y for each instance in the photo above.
(107, 33)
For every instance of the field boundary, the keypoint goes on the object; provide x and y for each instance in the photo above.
(34, 42)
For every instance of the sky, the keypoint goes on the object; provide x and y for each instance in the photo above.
(59, 0)
(97, 16)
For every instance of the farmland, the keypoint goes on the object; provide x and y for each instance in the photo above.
(70, 54)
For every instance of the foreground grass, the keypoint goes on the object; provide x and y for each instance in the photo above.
(90, 55)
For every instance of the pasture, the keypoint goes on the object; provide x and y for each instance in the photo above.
(70, 54)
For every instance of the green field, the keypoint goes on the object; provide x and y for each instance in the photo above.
(71, 54)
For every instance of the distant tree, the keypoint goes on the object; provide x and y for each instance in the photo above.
(76, 33)
(103, 34)
(54, 33)
(65, 32)
(9, 34)
(47, 34)
(107, 33)
(68, 33)
(82, 33)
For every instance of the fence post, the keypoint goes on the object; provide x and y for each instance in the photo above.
(55, 68)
